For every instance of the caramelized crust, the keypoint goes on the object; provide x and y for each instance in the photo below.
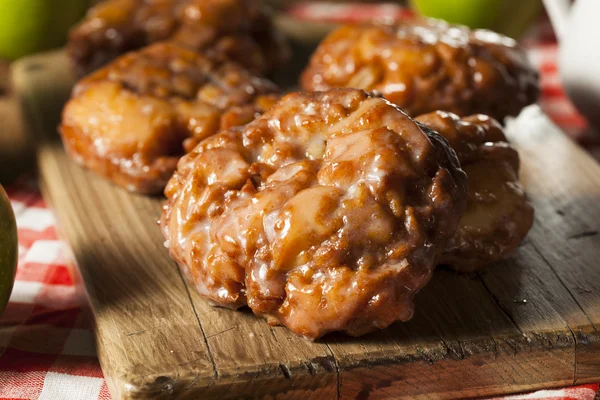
(327, 213)
(498, 215)
(235, 30)
(427, 65)
(132, 120)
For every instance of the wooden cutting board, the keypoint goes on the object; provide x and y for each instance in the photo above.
(529, 322)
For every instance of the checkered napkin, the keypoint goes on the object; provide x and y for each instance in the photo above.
(46, 342)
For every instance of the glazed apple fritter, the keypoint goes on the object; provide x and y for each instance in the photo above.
(327, 213)
(236, 30)
(427, 65)
(132, 120)
(498, 215)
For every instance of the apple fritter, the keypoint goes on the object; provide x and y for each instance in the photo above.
(235, 30)
(132, 120)
(498, 215)
(327, 213)
(427, 65)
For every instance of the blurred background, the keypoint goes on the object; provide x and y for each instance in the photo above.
(31, 26)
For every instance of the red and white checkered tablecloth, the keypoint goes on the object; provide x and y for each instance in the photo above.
(46, 342)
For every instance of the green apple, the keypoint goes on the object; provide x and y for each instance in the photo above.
(510, 17)
(29, 26)
(8, 248)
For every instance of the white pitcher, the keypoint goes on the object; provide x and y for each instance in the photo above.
(577, 27)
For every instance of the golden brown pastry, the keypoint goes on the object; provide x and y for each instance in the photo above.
(427, 65)
(498, 215)
(131, 120)
(237, 30)
(327, 213)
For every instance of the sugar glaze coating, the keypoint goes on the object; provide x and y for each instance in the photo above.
(327, 213)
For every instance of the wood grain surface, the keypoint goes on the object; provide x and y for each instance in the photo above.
(529, 322)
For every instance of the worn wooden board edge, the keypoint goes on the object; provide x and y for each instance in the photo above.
(47, 150)
(348, 371)
(135, 383)
(566, 234)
